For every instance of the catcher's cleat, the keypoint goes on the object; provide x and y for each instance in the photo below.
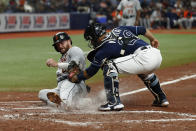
(162, 103)
(53, 97)
(111, 107)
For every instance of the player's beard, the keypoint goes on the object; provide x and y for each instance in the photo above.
(63, 50)
(65, 47)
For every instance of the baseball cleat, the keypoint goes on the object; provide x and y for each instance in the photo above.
(163, 103)
(88, 88)
(53, 97)
(111, 107)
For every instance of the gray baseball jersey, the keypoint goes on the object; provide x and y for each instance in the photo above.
(129, 8)
(73, 54)
(70, 93)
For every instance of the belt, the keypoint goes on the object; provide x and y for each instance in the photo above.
(142, 48)
(127, 17)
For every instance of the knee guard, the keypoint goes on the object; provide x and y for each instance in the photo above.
(111, 83)
(152, 83)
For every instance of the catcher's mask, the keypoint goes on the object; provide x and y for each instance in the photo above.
(93, 32)
(60, 37)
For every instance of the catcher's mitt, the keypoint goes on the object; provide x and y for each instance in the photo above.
(73, 70)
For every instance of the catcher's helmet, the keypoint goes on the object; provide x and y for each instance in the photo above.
(93, 32)
(60, 37)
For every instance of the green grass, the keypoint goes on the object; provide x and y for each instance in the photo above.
(177, 49)
(23, 66)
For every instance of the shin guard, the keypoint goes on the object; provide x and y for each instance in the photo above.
(111, 84)
(152, 83)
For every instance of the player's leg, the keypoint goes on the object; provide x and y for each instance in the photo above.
(42, 95)
(144, 62)
(130, 21)
(71, 93)
(111, 85)
(141, 62)
(152, 83)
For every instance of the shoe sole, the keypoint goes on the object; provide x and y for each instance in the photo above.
(53, 97)
(164, 104)
(115, 108)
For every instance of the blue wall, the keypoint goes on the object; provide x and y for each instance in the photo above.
(79, 20)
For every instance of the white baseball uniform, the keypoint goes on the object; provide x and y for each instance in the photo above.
(141, 62)
(129, 8)
(69, 92)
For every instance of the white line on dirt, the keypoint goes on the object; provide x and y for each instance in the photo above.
(120, 112)
(20, 102)
(72, 123)
(163, 83)
(3, 109)
(31, 108)
(124, 121)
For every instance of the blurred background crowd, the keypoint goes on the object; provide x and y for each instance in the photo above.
(155, 14)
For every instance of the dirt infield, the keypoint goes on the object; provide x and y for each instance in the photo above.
(23, 111)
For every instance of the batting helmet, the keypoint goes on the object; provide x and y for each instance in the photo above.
(60, 37)
(93, 32)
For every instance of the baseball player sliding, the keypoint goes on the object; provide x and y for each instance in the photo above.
(131, 12)
(72, 59)
(122, 51)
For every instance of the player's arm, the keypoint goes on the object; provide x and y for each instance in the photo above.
(153, 41)
(89, 72)
(119, 8)
(77, 55)
(141, 30)
(92, 69)
(137, 17)
(86, 74)
(138, 11)
(52, 63)
(118, 16)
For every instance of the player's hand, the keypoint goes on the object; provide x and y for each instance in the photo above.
(154, 43)
(118, 17)
(51, 63)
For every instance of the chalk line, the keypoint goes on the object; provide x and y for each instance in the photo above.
(163, 83)
(4, 102)
(119, 112)
(87, 123)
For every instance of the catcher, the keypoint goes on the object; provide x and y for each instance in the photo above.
(71, 61)
(122, 51)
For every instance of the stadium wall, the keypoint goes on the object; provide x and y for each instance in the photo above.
(23, 22)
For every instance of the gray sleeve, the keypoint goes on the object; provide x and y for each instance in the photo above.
(119, 7)
(76, 54)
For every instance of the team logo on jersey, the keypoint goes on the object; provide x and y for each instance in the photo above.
(127, 38)
(116, 31)
(127, 33)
